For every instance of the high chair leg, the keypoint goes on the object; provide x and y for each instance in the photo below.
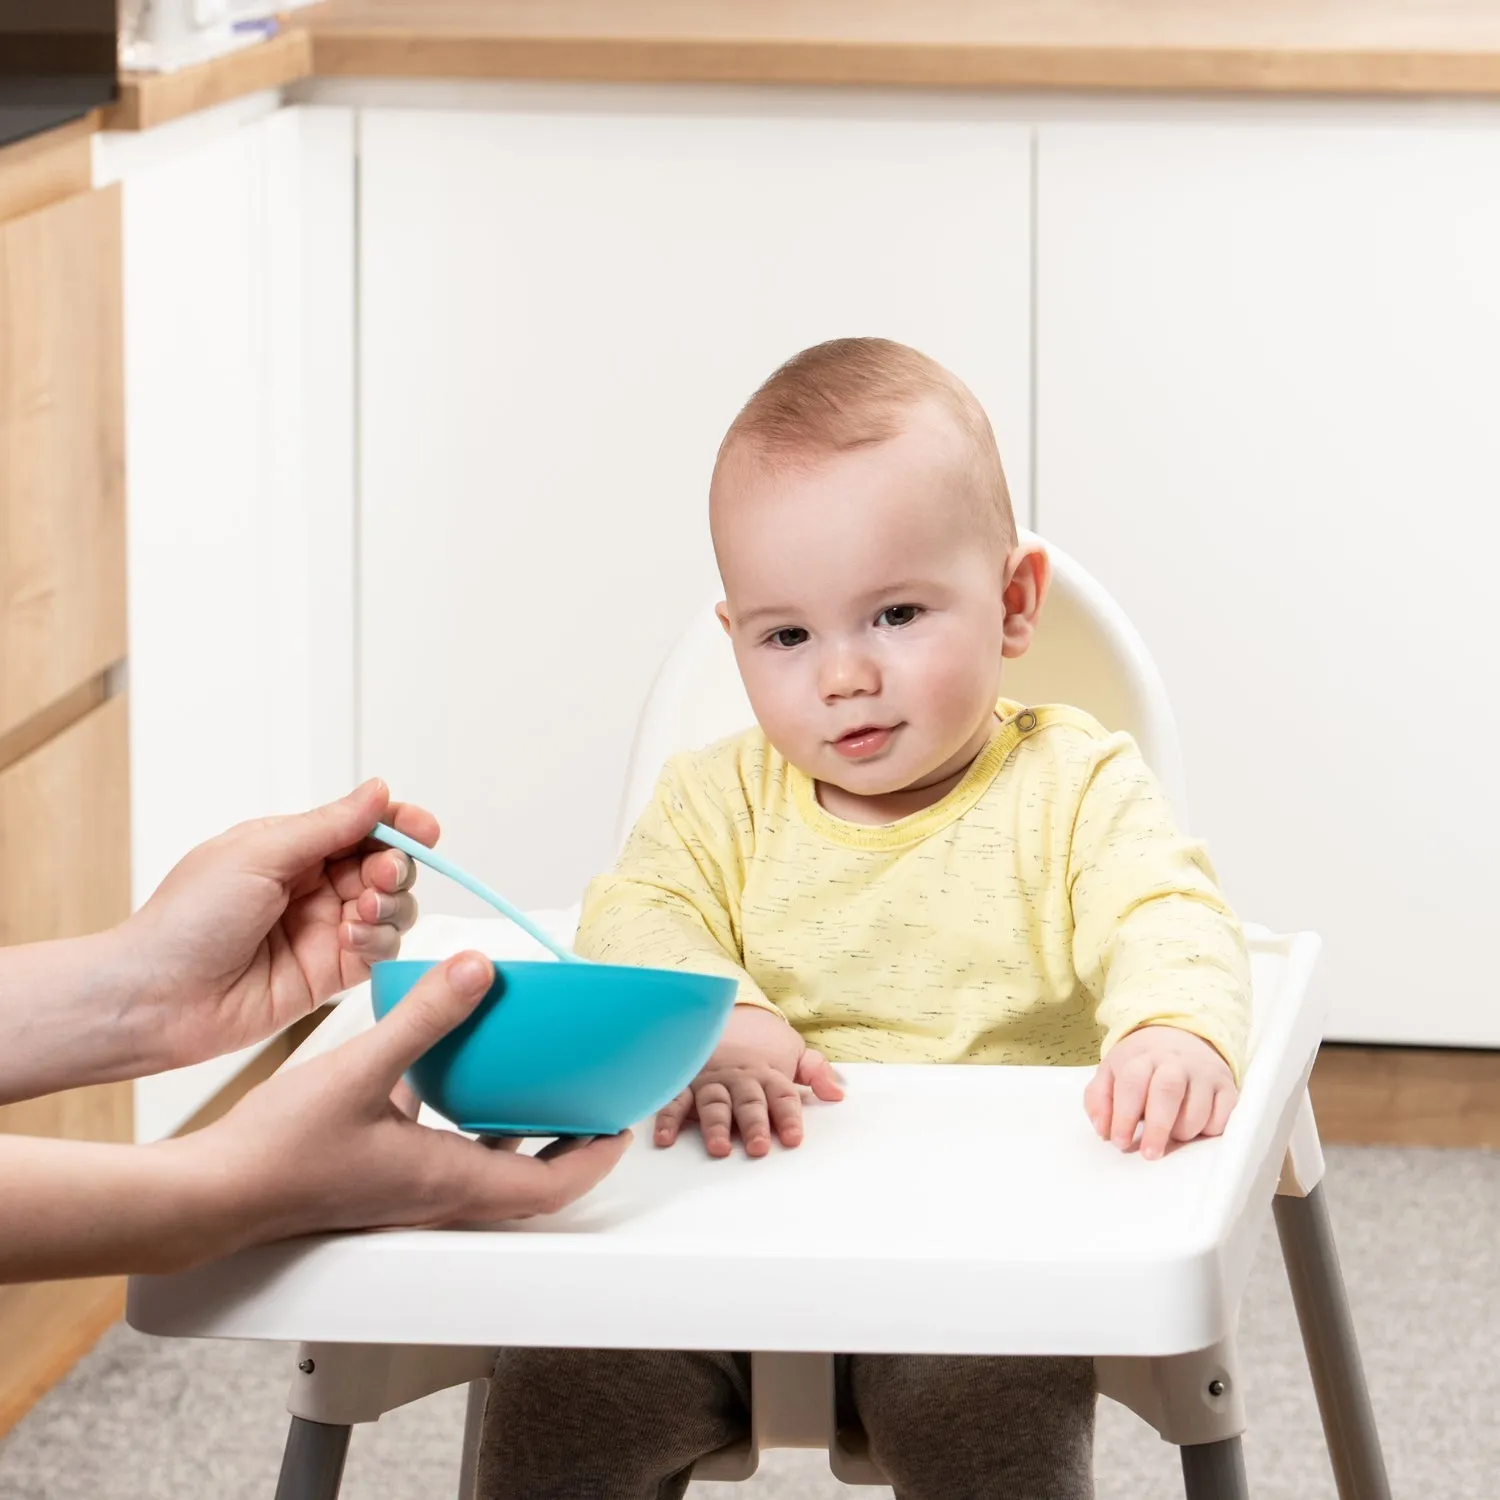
(468, 1464)
(336, 1385)
(1194, 1401)
(1215, 1471)
(1312, 1265)
(312, 1465)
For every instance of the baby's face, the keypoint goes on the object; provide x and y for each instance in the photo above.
(866, 608)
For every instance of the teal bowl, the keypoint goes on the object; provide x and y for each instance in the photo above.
(564, 1049)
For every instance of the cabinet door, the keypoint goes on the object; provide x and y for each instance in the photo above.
(1268, 378)
(239, 364)
(563, 304)
(65, 871)
(62, 513)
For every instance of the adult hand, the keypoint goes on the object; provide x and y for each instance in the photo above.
(320, 1146)
(324, 1146)
(258, 927)
(754, 1083)
(1172, 1080)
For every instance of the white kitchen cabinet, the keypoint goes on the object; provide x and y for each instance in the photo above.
(239, 295)
(1268, 418)
(562, 305)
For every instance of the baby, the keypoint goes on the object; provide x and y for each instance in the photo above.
(897, 865)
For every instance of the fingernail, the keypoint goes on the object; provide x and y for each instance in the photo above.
(470, 974)
(385, 906)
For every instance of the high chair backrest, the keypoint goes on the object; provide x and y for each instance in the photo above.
(1086, 653)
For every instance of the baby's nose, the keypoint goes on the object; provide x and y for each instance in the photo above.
(847, 673)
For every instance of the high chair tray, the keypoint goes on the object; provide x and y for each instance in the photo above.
(964, 1210)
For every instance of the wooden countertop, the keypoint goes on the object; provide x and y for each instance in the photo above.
(1248, 46)
(1272, 46)
(148, 99)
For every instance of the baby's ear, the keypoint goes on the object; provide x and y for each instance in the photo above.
(1028, 574)
(721, 609)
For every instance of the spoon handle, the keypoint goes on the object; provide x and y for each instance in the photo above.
(434, 861)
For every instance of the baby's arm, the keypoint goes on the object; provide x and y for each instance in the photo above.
(674, 902)
(1158, 945)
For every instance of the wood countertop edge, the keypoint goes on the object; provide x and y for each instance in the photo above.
(305, 51)
(1153, 68)
(149, 99)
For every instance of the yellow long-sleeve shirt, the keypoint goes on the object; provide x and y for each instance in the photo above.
(1044, 908)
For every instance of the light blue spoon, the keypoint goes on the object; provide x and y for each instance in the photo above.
(423, 855)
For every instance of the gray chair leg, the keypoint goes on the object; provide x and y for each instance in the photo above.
(1312, 1265)
(468, 1463)
(312, 1466)
(1215, 1471)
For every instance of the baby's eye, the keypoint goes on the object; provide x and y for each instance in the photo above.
(793, 635)
(898, 615)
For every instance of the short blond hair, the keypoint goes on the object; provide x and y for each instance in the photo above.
(853, 393)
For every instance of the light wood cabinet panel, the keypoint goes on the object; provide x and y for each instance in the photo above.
(65, 871)
(50, 1326)
(46, 168)
(65, 832)
(62, 511)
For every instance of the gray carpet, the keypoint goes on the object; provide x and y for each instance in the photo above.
(1420, 1237)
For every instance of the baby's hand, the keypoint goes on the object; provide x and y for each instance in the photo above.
(1172, 1079)
(753, 1081)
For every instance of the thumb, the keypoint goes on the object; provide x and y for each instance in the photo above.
(815, 1072)
(290, 844)
(443, 998)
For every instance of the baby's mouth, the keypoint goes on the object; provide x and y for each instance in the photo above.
(868, 740)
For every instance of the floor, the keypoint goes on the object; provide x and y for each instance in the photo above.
(1420, 1237)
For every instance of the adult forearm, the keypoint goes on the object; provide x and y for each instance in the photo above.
(79, 1208)
(74, 1013)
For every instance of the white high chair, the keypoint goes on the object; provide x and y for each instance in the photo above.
(870, 1238)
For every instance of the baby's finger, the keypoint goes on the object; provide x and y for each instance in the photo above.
(1131, 1083)
(1225, 1099)
(1169, 1086)
(815, 1072)
(1099, 1100)
(669, 1120)
(785, 1104)
(715, 1117)
(1196, 1109)
(751, 1115)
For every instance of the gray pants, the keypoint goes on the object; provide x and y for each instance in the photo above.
(623, 1425)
